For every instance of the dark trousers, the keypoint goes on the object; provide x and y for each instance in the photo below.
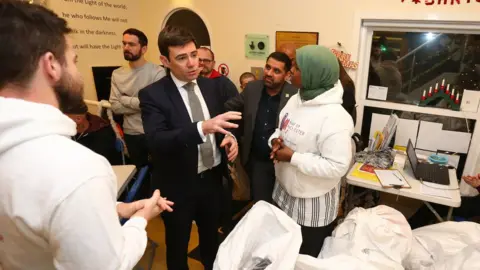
(202, 204)
(137, 149)
(262, 178)
(226, 209)
(313, 237)
(469, 208)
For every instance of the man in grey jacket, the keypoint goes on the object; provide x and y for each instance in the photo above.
(127, 81)
(260, 104)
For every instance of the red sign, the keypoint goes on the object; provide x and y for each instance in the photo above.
(441, 2)
(223, 69)
(345, 59)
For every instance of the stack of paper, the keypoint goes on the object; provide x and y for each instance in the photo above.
(381, 140)
(407, 129)
(389, 130)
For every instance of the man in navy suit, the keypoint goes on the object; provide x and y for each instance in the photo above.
(188, 138)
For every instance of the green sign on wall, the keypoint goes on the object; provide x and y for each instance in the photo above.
(257, 46)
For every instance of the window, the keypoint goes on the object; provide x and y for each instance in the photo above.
(412, 65)
(439, 40)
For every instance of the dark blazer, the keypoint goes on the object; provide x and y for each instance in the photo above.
(247, 103)
(227, 88)
(172, 138)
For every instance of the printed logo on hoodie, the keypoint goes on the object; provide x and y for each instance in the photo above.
(284, 122)
(287, 125)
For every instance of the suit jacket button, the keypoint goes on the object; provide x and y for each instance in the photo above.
(186, 145)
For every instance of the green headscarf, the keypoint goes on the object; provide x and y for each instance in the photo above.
(319, 70)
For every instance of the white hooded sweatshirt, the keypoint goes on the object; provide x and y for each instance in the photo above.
(319, 131)
(58, 198)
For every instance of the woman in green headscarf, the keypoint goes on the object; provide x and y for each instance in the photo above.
(312, 148)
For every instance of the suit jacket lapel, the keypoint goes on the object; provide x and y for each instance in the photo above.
(177, 101)
(284, 96)
(287, 92)
(255, 99)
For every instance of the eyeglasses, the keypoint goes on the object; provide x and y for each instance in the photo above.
(206, 61)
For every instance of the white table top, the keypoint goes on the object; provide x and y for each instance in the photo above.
(124, 174)
(415, 192)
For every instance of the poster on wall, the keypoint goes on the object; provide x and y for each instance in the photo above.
(257, 46)
(345, 59)
(299, 39)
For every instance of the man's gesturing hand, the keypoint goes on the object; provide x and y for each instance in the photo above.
(150, 208)
(231, 147)
(126, 210)
(221, 122)
(165, 205)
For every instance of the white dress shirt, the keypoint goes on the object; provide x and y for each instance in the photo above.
(183, 92)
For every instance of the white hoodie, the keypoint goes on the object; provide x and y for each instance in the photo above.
(319, 131)
(58, 198)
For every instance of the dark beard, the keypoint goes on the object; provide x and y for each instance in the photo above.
(273, 85)
(205, 70)
(131, 57)
(69, 93)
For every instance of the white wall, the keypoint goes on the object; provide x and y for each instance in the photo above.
(229, 21)
(88, 57)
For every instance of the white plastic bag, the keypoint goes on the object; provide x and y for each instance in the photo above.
(305, 262)
(446, 246)
(379, 236)
(266, 238)
(465, 259)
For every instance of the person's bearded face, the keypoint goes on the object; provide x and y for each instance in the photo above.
(132, 49)
(69, 89)
(131, 56)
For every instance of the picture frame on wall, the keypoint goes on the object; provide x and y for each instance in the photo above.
(300, 39)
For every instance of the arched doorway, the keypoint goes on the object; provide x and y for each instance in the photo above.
(190, 20)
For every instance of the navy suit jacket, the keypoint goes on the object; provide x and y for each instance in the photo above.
(172, 138)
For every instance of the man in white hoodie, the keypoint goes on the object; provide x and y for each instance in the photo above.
(57, 198)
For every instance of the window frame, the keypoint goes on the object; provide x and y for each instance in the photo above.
(366, 23)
